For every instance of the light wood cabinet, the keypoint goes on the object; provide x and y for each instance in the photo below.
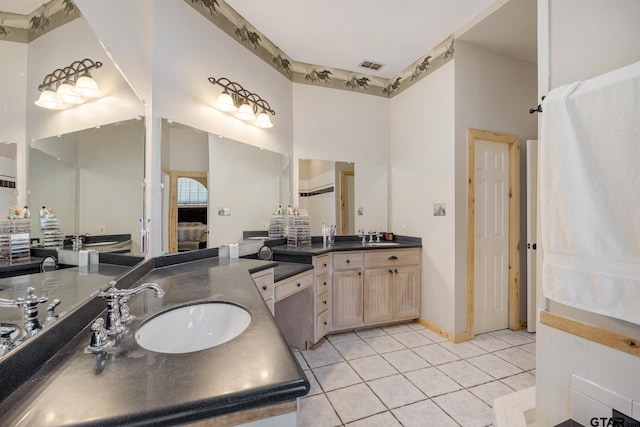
(323, 307)
(347, 295)
(375, 287)
(378, 295)
(264, 282)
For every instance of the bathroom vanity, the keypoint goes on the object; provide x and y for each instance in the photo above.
(129, 385)
(352, 286)
(298, 298)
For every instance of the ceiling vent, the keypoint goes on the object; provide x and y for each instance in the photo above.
(371, 65)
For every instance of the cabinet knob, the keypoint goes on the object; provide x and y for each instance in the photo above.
(348, 261)
(324, 284)
(392, 257)
(325, 264)
(359, 273)
(325, 323)
(390, 271)
(395, 270)
(298, 284)
(264, 288)
(325, 302)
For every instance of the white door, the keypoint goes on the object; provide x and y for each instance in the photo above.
(532, 229)
(491, 263)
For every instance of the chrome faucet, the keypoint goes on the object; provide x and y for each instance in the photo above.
(30, 305)
(117, 310)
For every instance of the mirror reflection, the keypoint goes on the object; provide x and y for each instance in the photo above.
(351, 196)
(217, 187)
(91, 179)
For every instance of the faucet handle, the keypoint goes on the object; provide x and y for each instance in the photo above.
(125, 316)
(51, 312)
(99, 338)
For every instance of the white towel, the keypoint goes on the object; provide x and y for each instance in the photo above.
(590, 194)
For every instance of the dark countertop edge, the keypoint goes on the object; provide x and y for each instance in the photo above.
(205, 409)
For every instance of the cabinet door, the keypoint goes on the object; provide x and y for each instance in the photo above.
(347, 299)
(406, 288)
(378, 295)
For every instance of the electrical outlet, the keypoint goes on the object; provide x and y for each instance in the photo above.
(102, 229)
(404, 228)
(264, 225)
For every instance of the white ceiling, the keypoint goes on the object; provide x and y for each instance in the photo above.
(341, 34)
(23, 7)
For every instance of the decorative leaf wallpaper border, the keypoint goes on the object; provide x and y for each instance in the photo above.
(232, 23)
(26, 28)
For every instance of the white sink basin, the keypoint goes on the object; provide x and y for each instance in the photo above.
(383, 244)
(193, 327)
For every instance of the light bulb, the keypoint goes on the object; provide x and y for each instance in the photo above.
(245, 112)
(225, 102)
(87, 87)
(67, 95)
(49, 100)
(263, 120)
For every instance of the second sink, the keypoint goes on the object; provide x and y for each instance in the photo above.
(193, 327)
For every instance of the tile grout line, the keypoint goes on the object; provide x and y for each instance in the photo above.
(386, 333)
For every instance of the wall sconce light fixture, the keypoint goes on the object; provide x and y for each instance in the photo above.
(245, 105)
(69, 86)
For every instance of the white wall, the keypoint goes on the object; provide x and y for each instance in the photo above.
(370, 182)
(493, 92)
(584, 42)
(250, 189)
(188, 150)
(53, 184)
(422, 173)
(110, 180)
(13, 89)
(332, 124)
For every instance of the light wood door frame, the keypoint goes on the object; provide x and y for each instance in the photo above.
(514, 224)
(173, 203)
(343, 174)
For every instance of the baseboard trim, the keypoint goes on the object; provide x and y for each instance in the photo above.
(450, 336)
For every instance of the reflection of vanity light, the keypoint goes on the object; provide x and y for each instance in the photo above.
(69, 86)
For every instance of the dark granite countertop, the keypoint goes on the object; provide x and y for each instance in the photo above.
(284, 270)
(346, 244)
(128, 385)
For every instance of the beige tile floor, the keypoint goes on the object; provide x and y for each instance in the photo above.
(406, 375)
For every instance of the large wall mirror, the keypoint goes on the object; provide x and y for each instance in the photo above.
(351, 196)
(218, 185)
(86, 162)
(92, 179)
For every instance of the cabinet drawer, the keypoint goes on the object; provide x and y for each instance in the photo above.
(264, 282)
(322, 264)
(346, 260)
(290, 286)
(322, 324)
(385, 258)
(322, 303)
(323, 283)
